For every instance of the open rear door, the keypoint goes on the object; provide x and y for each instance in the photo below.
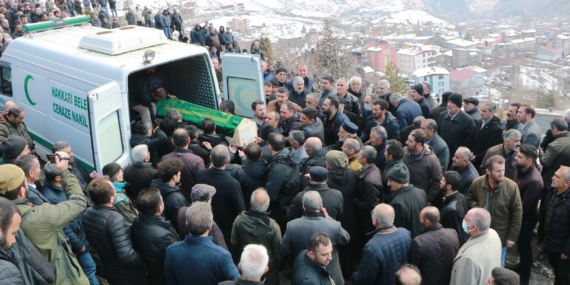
(243, 82)
(106, 125)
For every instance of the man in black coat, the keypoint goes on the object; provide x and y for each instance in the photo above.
(195, 145)
(168, 183)
(407, 200)
(316, 153)
(228, 202)
(153, 139)
(455, 127)
(9, 274)
(429, 127)
(310, 265)
(252, 175)
(140, 174)
(369, 192)
(152, 234)
(283, 181)
(394, 153)
(488, 132)
(333, 119)
(332, 198)
(109, 235)
(454, 205)
(416, 93)
(435, 111)
(433, 251)
(462, 164)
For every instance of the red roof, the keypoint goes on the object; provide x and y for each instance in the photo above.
(461, 75)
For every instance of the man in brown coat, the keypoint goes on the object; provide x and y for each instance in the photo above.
(501, 197)
(423, 164)
(281, 96)
(434, 250)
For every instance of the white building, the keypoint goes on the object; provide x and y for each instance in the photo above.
(439, 78)
(410, 60)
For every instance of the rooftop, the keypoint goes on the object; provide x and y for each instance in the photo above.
(462, 74)
(461, 42)
(430, 71)
(411, 51)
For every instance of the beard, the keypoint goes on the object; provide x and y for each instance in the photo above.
(4, 243)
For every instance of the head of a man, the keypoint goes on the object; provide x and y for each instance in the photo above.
(408, 274)
(395, 99)
(454, 103)
(341, 86)
(287, 111)
(512, 140)
(462, 157)
(450, 182)
(513, 111)
(302, 70)
(259, 201)
(215, 62)
(495, 169)
(275, 142)
(487, 110)
(101, 191)
(267, 89)
(351, 147)
(282, 95)
(558, 126)
(16, 115)
(429, 217)
(355, 84)
(394, 150)
(30, 164)
(503, 276)
(220, 156)
(312, 145)
(526, 156)
(258, 109)
(199, 218)
(379, 109)
(313, 99)
(330, 106)
(477, 221)
(561, 179)
(383, 87)
(140, 154)
(309, 116)
(13, 147)
(298, 84)
(320, 249)
(169, 170)
(253, 262)
(272, 118)
(296, 139)
(378, 136)
(10, 219)
(429, 127)
(398, 177)
(149, 202)
(367, 155)
(281, 74)
(526, 113)
(417, 92)
(327, 83)
(415, 142)
(383, 215)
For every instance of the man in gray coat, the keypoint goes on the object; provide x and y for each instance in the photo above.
(429, 127)
(529, 128)
(315, 219)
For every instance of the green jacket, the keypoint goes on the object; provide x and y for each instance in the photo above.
(7, 129)
(147, 15)
(43, 224)
(504, 204)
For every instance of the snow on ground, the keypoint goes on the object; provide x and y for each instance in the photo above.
(537, 78)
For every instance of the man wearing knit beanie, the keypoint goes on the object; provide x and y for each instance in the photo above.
(407, 200)
(417, 92)
(12, 147)
(455, 126)
(281, 75)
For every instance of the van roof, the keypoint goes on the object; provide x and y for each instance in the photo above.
(62, 47)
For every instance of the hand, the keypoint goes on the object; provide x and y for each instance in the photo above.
(83, 249)
(233, 148)
(241, 153)
(94, 174)
(258, 140)
(172, 96)
(61, 161)
(367, 142)
(154, 130)
(563, 256)
(207, 145)
(510, 243)
(324, 212)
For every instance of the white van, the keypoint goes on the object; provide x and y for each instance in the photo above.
(73, 84)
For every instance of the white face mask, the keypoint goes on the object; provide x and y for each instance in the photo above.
(367, 108)
(464, 225)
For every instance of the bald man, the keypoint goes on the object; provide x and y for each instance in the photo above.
(470, 266)
(7, 106)
(386, 251)
(408, 274)
(434, 250)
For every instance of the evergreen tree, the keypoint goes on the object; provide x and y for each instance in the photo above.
(397, 84)
(330, 58)
(267, 49)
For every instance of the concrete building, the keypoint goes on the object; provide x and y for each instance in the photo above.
(466, 57)
(562, 42)
(468, 82)
(439, 78)
(377, 54)
(460, 43)
(549, 54)
(410, 60)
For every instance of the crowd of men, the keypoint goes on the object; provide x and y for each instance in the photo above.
(343, 184)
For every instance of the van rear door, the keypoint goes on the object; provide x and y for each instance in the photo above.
(243, 81)
(107, 136)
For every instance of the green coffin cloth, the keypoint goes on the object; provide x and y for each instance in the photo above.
(195, 114)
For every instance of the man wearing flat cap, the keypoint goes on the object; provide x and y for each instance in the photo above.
(42, 224)
(471, 107)
(407, 200)
(12, 148)
(332, 198)
(455, 126)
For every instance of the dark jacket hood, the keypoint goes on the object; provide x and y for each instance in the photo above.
(285, 156)
(164, 187)
(339, 177)
(254, 225)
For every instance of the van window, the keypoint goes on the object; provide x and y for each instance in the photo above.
(5, 80)
(242, 90)
(110, 141)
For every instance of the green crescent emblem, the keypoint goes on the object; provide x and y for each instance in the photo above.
(26, 89)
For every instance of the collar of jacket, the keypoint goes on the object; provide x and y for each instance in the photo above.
(427, 150)
(383, 230)
(314, 187)
(485, 185)
(154, 220)
(562, 135)
(526, 172)
(240, 281)
(318, 268)
(433, 228)
(182, 150)
(402, 190)
(472, 111)
(54, 187)
(198, 240)
(4, 160)
(217, 171)
(367, 170)
(195, 142)
(104, 208)
(142, 165)
(313, 215)
(392, 162)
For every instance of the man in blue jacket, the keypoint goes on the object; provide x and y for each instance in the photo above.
(406, 110)
(197, 259)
